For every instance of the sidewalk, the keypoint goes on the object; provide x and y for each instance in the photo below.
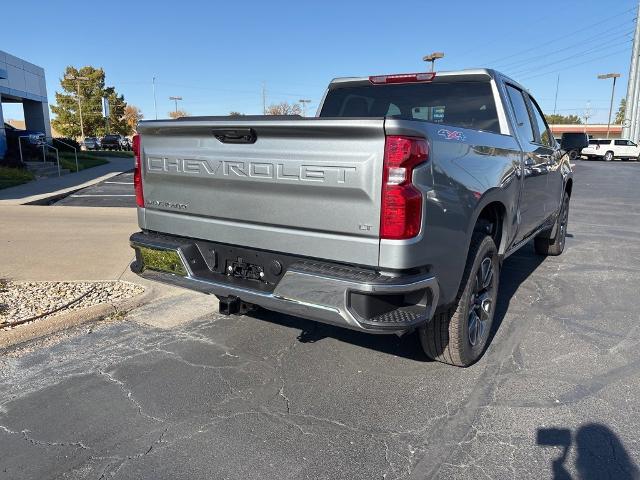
(49, 243)
(65, 243)
(53, 186)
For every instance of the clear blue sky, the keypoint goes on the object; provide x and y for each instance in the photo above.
(216, 54)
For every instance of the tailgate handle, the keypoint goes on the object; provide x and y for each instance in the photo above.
(235, 135)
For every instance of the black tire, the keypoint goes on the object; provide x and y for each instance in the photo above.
(608, 156)
(573, 155)
(450, 337)
(544, 244)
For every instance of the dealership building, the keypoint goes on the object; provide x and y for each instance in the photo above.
(23, 82)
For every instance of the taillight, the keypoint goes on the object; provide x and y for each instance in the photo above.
(137, 171)
(402, 78)
(401, 213)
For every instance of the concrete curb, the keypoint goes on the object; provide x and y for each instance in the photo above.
(64, 321)
(45, 198)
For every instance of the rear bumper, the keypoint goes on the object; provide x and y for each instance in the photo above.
(355, 298)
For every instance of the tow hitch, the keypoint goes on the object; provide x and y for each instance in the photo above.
(234, 306)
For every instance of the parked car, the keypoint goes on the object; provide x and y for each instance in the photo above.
(609, 149)
(125, 143)
(113, 142)
(391, 212)
(573, 143)
(91, 143)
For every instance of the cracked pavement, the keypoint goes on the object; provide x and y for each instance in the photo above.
(557, 395)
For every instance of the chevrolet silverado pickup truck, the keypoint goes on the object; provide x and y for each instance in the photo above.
(391, 211)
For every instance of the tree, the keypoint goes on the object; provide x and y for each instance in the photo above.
(132, 115)
(563, 119)
(284, 108)
(117, 107)
(89, 82)
(178, 114)
(621, 111)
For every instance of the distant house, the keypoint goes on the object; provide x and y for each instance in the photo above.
(22, 125)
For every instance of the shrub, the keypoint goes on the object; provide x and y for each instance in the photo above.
(57, 142)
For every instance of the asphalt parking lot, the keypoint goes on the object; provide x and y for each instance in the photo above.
(114, 192)
(557, 395)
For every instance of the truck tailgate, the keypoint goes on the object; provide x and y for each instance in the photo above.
(306, 186)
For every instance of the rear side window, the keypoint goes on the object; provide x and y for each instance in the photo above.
(523, 121)
(461, 104)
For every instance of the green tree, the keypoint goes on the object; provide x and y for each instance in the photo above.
(117, 110)
(621, 111)
(563, 119)
(89, 83)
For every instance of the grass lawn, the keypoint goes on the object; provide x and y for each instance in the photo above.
(85, 160)
(10, 177)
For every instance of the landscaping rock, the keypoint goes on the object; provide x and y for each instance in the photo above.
(23, 300)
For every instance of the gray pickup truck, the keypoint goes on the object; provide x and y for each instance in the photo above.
(390, 211)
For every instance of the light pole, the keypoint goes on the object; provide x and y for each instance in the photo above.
(304, 106)
(175, 99)
(77, 80)
(155, 104)
(613, 89)
(432, 58)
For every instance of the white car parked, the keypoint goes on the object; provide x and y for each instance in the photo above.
(608, 149)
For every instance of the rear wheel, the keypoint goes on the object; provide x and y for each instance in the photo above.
(573, 155)
(546, 245)
(608, 156)
(459, 336)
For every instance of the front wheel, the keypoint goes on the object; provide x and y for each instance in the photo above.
(608, 156)
(573, 155)
(460, 335)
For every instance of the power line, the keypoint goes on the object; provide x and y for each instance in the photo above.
(589, 51)
(571, 34)
(575, 65)
(547, 54)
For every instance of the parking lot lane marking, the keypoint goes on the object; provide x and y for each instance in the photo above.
(105, 195)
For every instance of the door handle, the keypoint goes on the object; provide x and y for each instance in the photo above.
(235, 135)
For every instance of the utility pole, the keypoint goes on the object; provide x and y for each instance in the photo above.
(264, 99)
(555, 102)
(77, 80)
(631, 125)
(155, 104)
(304, 106)
(175, 99)
(613, 89)
(587, 115)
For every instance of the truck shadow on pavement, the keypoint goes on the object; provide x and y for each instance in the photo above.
(515, 270)
(599, 453)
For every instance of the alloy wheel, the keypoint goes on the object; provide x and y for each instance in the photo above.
(481, 302)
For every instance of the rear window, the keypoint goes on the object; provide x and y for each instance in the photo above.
(462, 104)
